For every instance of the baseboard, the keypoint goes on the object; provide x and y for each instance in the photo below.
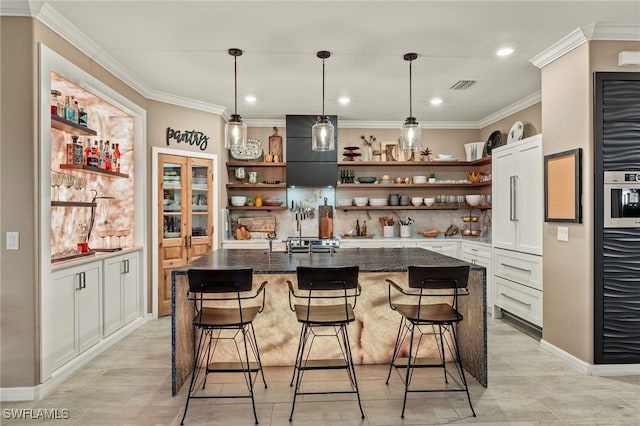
(591, 369)
(31, 393)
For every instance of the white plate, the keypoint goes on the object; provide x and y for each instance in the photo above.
(252, 151)
(445, 159)
(515, 134)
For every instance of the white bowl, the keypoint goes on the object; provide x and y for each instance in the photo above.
(419, 179)
(342, 202)
(472, 200)
(238, 200)
(416, 201)
(445, 156)
(378, 201)
(361, 201)
(429, 201)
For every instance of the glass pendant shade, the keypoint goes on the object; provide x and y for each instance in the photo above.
(322, 132)
(411, 135)
(235, 133)
(322, 135)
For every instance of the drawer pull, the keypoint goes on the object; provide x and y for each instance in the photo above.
(506, 265)
(506, 296)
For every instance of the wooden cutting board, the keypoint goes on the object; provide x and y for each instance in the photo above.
(275, 144)
(325, 221)
(259, 224)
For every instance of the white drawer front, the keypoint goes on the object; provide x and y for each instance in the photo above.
(519, 267)
(449, 248)
(476, 250)
(520, 300)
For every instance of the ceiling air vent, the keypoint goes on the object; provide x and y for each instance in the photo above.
(462, 84)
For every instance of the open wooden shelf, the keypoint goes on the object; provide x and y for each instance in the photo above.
(69, 127)
(254, 164)
(72, 204)
(91, 169)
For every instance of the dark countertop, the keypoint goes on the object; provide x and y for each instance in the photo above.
(368, 259)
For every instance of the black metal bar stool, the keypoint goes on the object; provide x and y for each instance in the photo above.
(221, 315)
(324, 319)
(431, 317)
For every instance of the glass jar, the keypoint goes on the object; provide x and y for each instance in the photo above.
(57, 107)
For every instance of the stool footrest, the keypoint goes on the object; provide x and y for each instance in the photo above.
(231, 367)
(418, 362)
(323, 364)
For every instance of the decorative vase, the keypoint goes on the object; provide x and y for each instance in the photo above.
(367, 153)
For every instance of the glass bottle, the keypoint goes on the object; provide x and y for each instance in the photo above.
(76, 112)
(82, 117)
(115, 157)
(56, 104)
(71, 151)
(363, 231)
(357, 227)
(68, 112)
(77, 150)
(107, 156)
(101, 156)
(87, 152)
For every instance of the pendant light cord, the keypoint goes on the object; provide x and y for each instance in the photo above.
(410, 91)
(235, 84)
(323, 88)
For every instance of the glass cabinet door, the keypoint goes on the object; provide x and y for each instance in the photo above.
(172, 200)
(199, 201)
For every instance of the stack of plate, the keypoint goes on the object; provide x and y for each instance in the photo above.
(345, 202)
(419, 179)
(378, 201)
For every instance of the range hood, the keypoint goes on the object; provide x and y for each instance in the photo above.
(305, 167)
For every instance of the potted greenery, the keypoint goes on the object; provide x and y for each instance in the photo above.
(426, 153)
(432, 177)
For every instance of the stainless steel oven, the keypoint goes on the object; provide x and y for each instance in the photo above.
(622, 199)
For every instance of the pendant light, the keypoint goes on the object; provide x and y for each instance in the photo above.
(322, 131)
(411, 132)
(235, 130)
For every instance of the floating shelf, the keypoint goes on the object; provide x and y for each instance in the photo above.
(413, 185)
(480, 162)
(345, 208)
(94, 170)
(72, 204)
(267, 208)
(256, 185)
(254, 164)
(68, 126)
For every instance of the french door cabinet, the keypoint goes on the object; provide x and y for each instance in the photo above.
(185, 209)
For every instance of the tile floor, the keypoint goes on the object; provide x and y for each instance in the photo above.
(131, 385)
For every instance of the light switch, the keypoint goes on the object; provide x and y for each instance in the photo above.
(563, 233)
(13, 241)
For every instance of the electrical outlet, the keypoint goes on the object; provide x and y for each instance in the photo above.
(563, 233)
(13, 241)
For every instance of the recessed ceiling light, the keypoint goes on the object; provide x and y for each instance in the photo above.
(436, 101)
(504, 52)
(250, 98)
(344, 100)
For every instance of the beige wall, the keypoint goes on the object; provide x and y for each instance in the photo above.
(567, 113)
(531, 117)
(19, 173)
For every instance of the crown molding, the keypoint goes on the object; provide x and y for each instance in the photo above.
(515, 107)
(266, 122)
(22, 8)
(595, 31)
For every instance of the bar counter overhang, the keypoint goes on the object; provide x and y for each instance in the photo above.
(373, 333)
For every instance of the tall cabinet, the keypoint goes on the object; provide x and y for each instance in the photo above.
(186, 225)
(517, 229)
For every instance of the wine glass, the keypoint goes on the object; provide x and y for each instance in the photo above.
(67, 181)
(111, 232)
(79, 183)
(56, 181)
(124, 233)
(103, 234)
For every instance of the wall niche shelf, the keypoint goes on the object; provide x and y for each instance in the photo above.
(91, 169)
(69, 127)
(73, 204)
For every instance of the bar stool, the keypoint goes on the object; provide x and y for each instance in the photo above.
(433, 283)
(324, 319)
(221, 315)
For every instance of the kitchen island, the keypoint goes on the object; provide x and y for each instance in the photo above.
(373, 333)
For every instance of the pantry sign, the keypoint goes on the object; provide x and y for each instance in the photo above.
(190, 137)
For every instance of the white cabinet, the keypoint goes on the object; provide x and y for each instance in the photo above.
(449, 248)
(480, 254)
(71, 316)
(120, 291)
(518, 281)
(517, 212)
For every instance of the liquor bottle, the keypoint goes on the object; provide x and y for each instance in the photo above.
(357, 227)
(71, 150)
(107, 156)
(68, 111)
(363, 231)
(77, 151)
(116, 158)
(76, 112)
(87, 152)
(82, 117)
(57, 107)
(101, 156)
